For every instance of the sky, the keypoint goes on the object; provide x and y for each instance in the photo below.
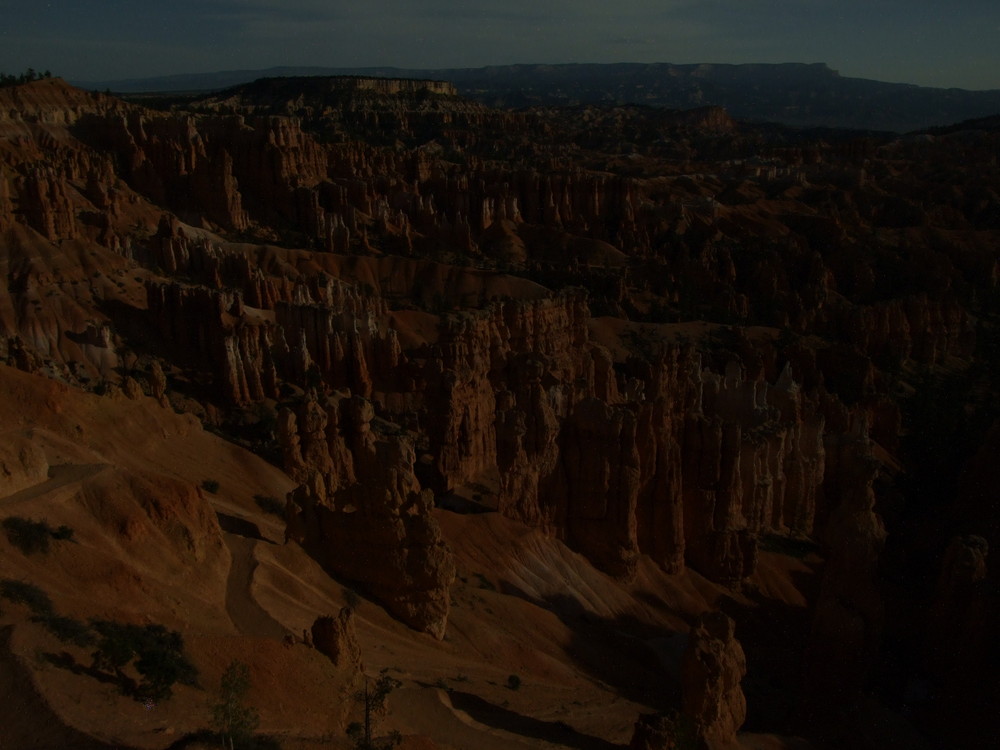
(948, 43)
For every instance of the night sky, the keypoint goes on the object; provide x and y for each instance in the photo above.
(931, 43)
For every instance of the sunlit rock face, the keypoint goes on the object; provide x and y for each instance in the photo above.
(711, 670)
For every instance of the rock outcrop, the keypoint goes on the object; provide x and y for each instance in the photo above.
(956, 641)
(849, 614)
(336, 639)
(659, 732)
(712, 667)
(22, 464)
(364, 516)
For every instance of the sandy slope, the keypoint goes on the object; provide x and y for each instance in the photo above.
(248, 617)
(26, 719)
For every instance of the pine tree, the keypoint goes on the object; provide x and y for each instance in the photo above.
(374, 698)
(235, 721)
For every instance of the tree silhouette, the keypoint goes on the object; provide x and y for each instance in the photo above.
(374, 697)
(235, 721)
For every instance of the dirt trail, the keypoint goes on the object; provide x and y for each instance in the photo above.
(59, 476)
(248, 616)
(429, 711)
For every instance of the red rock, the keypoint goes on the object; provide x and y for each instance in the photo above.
(335, 638)
(849, 613)
(372, 527)
(712, 667)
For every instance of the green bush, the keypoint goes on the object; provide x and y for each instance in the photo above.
(28, 536)
(22, 592)
(33, 536)
(210, 485)
(158, 655)
(374, 698)
(66, 629)
(26, 77)
(161, 662)
(115, 647)
(63, 533)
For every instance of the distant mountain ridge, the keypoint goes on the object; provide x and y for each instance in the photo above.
(798, 94)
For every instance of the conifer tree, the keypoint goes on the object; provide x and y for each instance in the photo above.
(235, 721)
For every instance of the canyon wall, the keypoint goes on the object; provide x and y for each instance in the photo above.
(643, 332)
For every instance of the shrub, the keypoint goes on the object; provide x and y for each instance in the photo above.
(158, 655)
(513, 682)
(63, 533)
(33, 536)
(28, 536)
(66, 629)
(22, 592)
(26, 77)
(374, 698)
(161, 662)
(210, 485)
(356, 731)
(270, 505)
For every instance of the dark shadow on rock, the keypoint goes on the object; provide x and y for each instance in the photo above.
(557, 732)
(648, 597)
(461, 505)
(240, 527)
(613, 651)
(90, 336)
(774, 636)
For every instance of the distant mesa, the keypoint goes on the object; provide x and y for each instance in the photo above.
(316, 84)
(796, 94)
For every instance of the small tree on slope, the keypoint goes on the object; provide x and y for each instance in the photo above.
(374, 698)
(235, 721)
